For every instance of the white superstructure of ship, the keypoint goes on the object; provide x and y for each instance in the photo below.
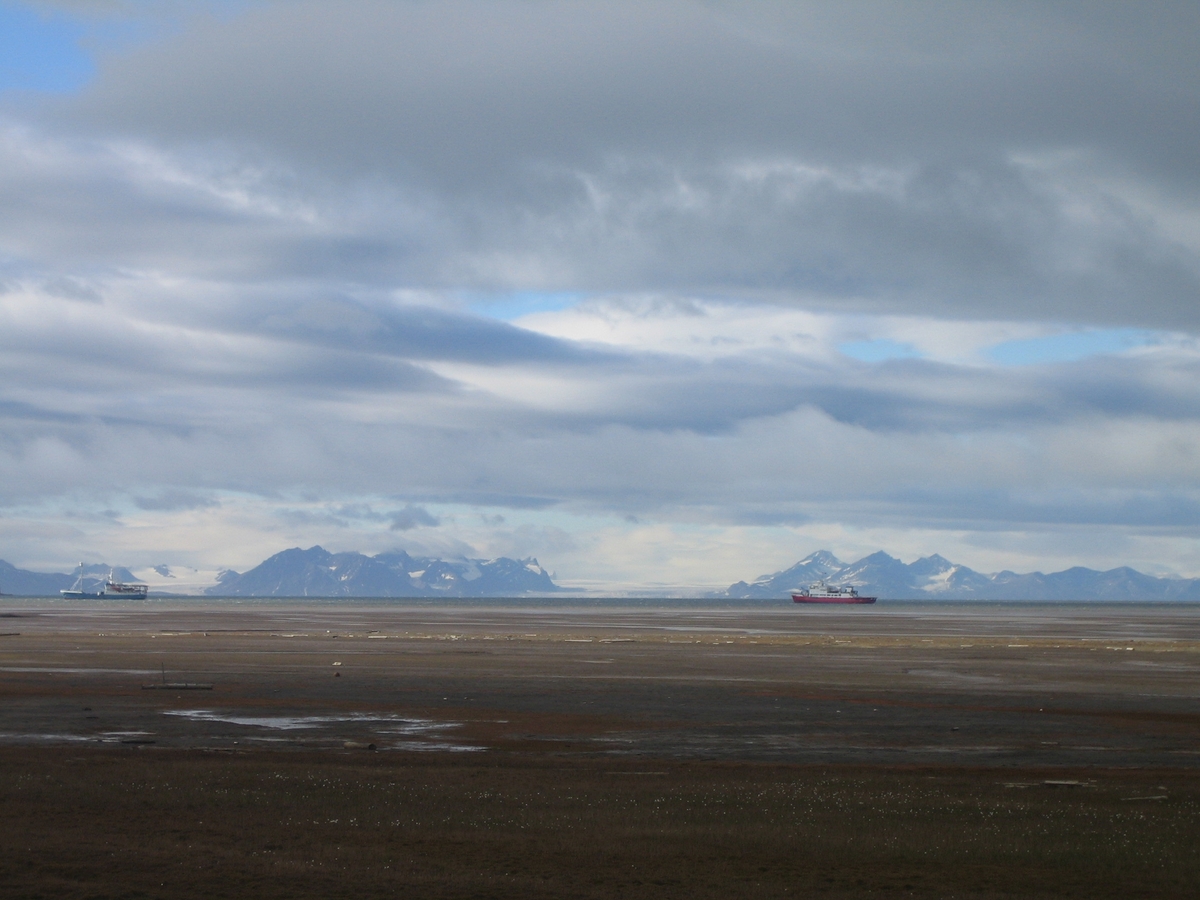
(102, 588)
(827, 593)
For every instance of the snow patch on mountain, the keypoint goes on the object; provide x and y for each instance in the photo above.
(936, 578)
(316, 572)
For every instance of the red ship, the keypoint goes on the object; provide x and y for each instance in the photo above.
(823, 593)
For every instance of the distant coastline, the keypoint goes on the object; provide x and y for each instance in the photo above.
(316, 573)
(934, 578)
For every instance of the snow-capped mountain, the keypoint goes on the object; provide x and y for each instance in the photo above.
(935, 577)
(316, 572)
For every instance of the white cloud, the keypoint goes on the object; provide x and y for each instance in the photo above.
(237, 271)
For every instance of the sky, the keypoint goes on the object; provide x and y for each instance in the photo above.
(666, 294)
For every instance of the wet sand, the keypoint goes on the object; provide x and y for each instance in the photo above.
(1076, 710)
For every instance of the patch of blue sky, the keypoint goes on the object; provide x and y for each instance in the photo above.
(54, 51)
(1070, 346)
(514, 305)
(42, 51)
(879, 350)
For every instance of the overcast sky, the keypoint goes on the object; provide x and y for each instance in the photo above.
(662, 293)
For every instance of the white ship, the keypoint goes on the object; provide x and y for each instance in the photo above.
(102, 588)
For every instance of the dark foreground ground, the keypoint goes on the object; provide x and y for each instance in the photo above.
(598, 752)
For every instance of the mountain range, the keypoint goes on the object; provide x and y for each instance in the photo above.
(23, 583)
(936, 578)
(316, 572)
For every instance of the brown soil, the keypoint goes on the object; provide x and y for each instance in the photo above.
(598, 753)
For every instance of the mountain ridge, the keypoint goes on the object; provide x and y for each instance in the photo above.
(24, 583)
(316, 572)
(936, 578)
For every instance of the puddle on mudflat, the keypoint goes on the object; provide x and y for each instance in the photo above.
(396, 724)
(425, 746)
(406, 733)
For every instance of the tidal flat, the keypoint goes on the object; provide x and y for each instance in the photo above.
(204, 748)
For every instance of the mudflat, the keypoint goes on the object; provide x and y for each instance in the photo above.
(211, 748)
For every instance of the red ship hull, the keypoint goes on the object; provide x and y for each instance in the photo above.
(801, 598)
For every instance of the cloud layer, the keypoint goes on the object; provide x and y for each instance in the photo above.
(246, 275)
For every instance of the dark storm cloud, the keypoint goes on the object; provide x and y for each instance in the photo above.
(656, 392)
(951, 159)
(912, 395)
(89, 359)
(575, 81)
(413, 517)
(414, 332)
